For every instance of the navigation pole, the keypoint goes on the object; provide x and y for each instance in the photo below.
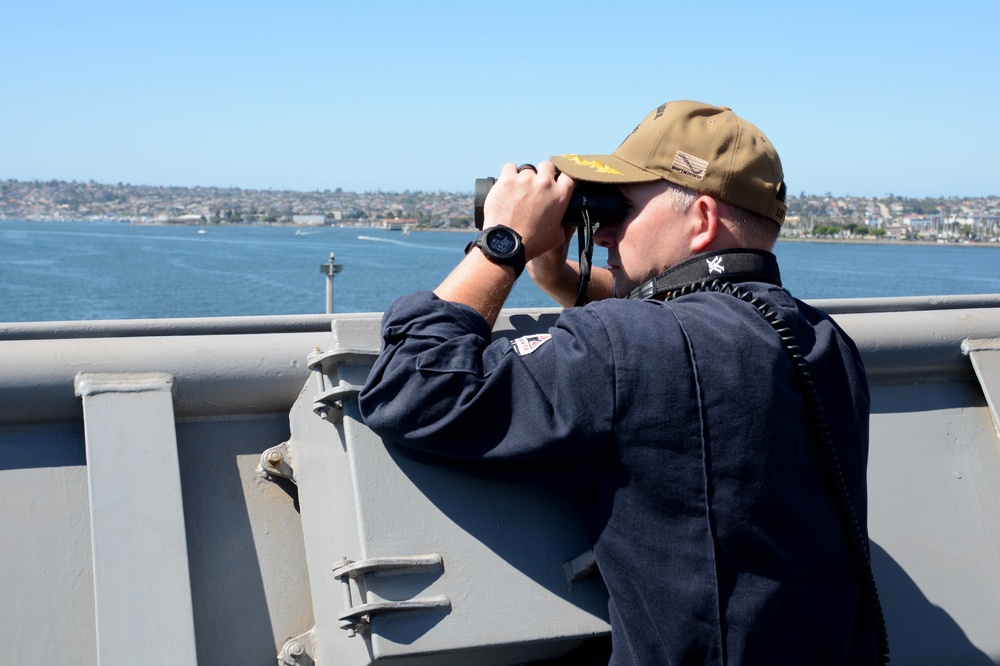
(330, 269)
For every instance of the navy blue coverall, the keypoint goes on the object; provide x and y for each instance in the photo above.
(681, 428)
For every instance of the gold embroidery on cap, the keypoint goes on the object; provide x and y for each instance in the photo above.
(689, 165)
(601, 167)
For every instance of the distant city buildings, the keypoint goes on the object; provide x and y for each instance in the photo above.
(946, 219)
(142, 204)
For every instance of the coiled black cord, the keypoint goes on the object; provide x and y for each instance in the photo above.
(856, 540)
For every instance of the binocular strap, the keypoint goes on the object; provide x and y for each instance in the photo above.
(585, 242)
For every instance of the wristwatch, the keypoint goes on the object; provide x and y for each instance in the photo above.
(501, 245)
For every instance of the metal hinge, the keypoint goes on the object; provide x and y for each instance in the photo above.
(328, 401)
(359, 616)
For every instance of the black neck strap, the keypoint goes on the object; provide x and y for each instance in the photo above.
(737, 265)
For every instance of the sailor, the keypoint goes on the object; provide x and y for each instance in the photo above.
(713, 427)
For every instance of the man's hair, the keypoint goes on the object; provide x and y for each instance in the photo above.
(750, 229)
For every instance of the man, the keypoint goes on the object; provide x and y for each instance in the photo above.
(677, 415)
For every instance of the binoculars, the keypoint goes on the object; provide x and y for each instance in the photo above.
(602, 203)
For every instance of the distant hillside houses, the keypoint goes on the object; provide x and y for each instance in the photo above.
(979, 222)
(944, 219)
(947, 228)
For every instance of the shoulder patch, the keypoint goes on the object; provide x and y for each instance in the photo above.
(529, 343)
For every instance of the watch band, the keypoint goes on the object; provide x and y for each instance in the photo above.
(501, 245)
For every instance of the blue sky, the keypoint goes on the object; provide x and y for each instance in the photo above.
(863, 98)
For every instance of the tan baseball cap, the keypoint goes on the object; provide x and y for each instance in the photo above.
(705, 148)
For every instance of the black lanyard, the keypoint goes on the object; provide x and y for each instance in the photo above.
(737, 265)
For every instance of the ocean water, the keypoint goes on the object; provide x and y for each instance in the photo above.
(112, 270)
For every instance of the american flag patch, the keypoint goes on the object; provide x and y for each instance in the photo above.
(529, 343)
(689, 165)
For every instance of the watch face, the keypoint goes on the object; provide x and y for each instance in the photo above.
(501, 242)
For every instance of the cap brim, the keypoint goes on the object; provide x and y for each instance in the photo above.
(602, 169)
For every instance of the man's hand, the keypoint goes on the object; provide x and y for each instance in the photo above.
(532, 204)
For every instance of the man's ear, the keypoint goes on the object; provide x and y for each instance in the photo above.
(706, 225)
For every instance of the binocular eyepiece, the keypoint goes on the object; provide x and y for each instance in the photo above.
(602, 203)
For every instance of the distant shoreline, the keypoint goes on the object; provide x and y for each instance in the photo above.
(790, 239)
(871, 241)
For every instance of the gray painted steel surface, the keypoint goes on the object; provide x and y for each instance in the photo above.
(134, 481)
(265, 579)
